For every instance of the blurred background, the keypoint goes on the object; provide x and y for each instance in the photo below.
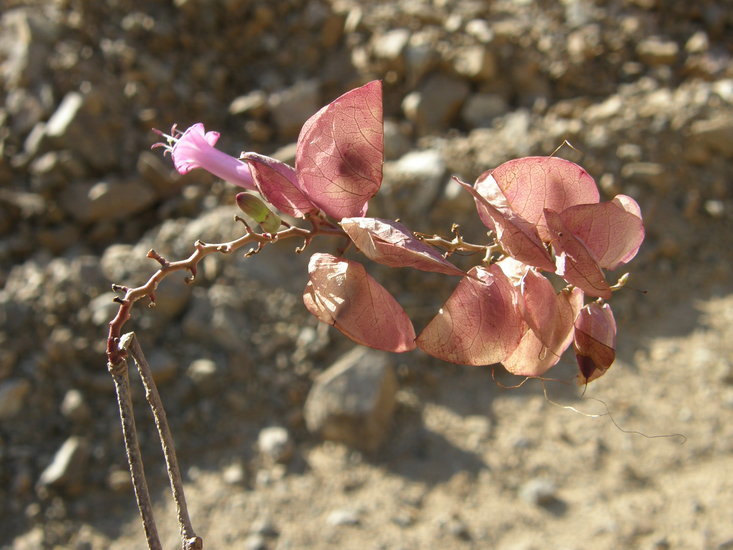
(381, 451)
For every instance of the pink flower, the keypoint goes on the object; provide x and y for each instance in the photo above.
(194, 148)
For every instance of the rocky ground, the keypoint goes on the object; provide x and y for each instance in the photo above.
(643, 89)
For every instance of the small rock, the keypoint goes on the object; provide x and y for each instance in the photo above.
(253, 104)
(482, 108)
(389, 47)
(74, 407)
(255, 542)
(539, 492)
(119, 481)
(234, 474)
(291, 107)
(435, 104)
(715, 134)
(413, 182)
(343, 517)
(353, 400)
(656, 51)
(275, 444)
(106, 200)
(57, 127)
(12, 397)
(203, 373)
(68, 467)
(475, 63)
(648, 173)
(162, 365)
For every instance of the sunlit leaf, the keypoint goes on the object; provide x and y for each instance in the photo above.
(517, 237)
(533, 184)
(612, 231)
(341, 293)
(339, 153)
(391, 243)
(574, 261)
(279, 185)
(479, 323)
(594, 341)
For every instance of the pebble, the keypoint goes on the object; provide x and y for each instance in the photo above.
(353, 400)
(538, 491)
(275, 444)
(12, 397)
(67, 469)
(74, 406)
(344, 517)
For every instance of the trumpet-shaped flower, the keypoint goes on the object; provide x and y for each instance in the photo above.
(194, 148)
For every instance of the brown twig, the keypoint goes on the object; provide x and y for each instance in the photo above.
(131, 295)
(189, 539)
(134, 457)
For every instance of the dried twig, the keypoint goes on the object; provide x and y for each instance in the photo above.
(134, 457)
(189, 539)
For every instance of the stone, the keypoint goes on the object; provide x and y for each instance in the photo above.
(253, 104)
(388, 47)
(68, 466)
(434, 106)
(396, 143)
(58, 126)
(275, 444)
(716, 134)
(538, 491)
(344, 517)
(74, 406)
(481, 109)
(475, 63)
(292, 106)
(203, 373)
(353, 400)
(163, 365)
(106, 200)
(656, 51)
(12, 397)
(412, 183)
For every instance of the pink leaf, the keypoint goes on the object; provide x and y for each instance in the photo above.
(339, 154)
(391, 243)
(532, 184)
(594, 341)
(575, 263)
(518, 237)
(279, 185)
(612, 231)
(341, 293)
(479, 323)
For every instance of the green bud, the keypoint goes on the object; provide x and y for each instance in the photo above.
(259, 212)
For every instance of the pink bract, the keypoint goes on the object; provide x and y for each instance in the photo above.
(195, 149)
(393, 244)
(339, 153)
(278, 183)
(594, 341)
(341, 293)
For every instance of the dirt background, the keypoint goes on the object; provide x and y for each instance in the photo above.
(642, 88)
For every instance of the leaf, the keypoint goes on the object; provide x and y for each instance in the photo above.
(533, 184)
(575, 263)
(612, 231)
(259, 212)
(341, 293)
(391, 243)
(594, 341)
(279, 185)
(518, 237)
(339, 153)
(479, 323)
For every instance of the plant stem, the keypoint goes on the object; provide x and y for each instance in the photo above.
(189, 539)
(132, 448)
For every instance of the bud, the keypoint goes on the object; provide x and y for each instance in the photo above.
(259, 212)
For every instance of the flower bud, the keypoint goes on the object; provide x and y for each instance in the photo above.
(259, 212)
